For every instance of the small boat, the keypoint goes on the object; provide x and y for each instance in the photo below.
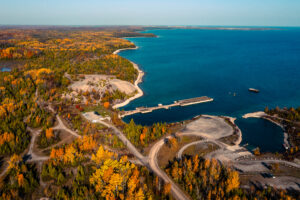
(253, 90)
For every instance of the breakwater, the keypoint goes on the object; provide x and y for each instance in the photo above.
(184, 102)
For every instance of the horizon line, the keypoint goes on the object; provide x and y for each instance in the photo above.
(65, 25)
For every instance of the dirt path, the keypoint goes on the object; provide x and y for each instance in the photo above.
(4, 170)
(127, 143)
(150, 161)
(30, 153)
(32, 157)
(62, 126)
(179, 153)
(176, 191)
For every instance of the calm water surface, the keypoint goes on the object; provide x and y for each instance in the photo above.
(221, 64)
(4, 69)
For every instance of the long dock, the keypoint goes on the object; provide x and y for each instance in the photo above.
(184, 102)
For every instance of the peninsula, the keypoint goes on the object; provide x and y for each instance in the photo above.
(62, 135)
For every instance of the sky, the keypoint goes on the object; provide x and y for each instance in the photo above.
(151, 12)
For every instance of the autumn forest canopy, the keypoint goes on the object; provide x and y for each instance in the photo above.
(49, 148)
(40, 60)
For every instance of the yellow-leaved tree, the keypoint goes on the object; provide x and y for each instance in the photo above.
(14, 161)
(233, 181)
(102, 155)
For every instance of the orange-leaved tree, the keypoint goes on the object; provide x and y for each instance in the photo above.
(49, 133)
(106, 104)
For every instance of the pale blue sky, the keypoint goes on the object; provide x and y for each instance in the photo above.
(151, 12)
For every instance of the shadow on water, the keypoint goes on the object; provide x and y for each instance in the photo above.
(261, 133)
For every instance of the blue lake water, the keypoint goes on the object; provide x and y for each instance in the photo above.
(221, 64)
(4, 69)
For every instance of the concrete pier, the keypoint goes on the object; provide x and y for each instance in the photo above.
(184, 102)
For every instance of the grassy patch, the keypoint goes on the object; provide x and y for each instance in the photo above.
(97, 108)
(167, 154)
(200, 149)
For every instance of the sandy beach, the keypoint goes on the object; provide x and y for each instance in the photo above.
(137, 81)
(119, 50)
(263, 115)
(258, 114)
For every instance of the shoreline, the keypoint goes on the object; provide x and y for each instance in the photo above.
(265, 116)
(237, 129)
(262, 115)
(140, 93)
(258, 114)
(124, 49)
(227, 152)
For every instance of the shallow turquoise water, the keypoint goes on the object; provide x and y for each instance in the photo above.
(182, 64)
(4, 69)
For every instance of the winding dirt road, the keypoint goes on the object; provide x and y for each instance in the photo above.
(179, 153)
(150, 161)
(127, 143)
(62, 126)
(30, 156)
(176, 191)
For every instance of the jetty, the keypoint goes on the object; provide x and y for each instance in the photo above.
(184, 102)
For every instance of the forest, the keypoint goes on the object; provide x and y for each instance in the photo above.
(143, 135)
(208, 179)
(49, 149)
(40, 60)
(71, 174)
